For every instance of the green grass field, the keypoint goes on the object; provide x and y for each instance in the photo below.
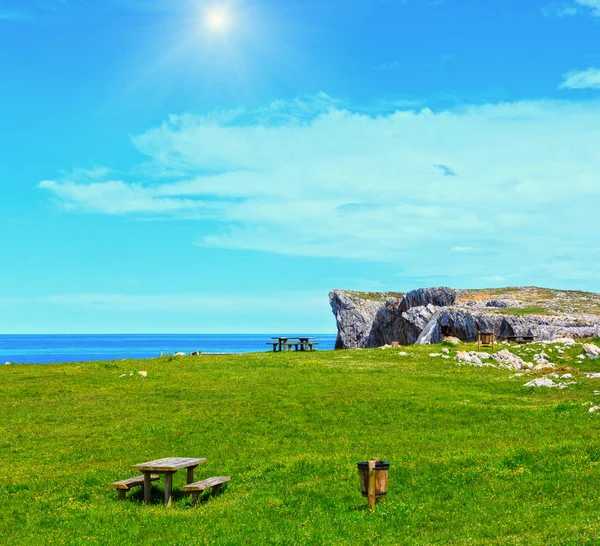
(476, 458)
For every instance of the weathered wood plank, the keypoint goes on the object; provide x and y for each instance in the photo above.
(127, 484)
(168, 488)
(168, 464)
(205, 484)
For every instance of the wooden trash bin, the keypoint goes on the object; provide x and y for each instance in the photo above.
(485, 339)
(373, 479)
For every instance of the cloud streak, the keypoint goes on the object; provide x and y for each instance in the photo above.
(583, 79)
(313, 177)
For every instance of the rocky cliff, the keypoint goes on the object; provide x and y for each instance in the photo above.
(426, 315)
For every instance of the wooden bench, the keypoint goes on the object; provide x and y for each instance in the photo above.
(194, 489)
(275, 345)
(520, 339)
(126, 485)
(311, 346)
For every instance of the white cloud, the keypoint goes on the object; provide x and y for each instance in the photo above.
(594, 5)
(584, 79)
(313, 177)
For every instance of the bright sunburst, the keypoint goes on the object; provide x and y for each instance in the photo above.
(218, 19)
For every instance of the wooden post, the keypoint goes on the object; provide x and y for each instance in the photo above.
(168, 488)
(122, 493)
(372, 484)
(147, 487)
(190, 474)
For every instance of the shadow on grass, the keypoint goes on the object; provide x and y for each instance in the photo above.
(157, 496)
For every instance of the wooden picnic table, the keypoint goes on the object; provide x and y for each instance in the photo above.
(167, 466)
(282, 343)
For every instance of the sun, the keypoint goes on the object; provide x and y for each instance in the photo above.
(218, 19)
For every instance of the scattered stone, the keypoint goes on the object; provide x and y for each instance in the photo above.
(473, 360)
(453, 340)
(519, 375)
(180, 354)
(594, 409)
(481, 356)
(541, 382)
(592, 375)
(385, 346)
(435, 354)
(510, 361)
(580, 357)
(123, 375)
(592, 351)
(143, 373)
(566, 376)
(446, 357)
(445, 350)
(402, 353)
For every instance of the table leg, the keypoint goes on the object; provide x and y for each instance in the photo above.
(147, 487)
(190, 474)
(168, 488)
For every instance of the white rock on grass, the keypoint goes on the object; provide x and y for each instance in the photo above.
(446, 357)
(472, 360)
(594, 409)
(566, 376)
(435, 354)
(453, 340)
(580, 357)
(592, 375)
(592, 351)
(545, 382)
(143, 373)
(445, 350)
(510, 361)
(402, 353)
(180, 354)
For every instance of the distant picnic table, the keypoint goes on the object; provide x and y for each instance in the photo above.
(285, 343)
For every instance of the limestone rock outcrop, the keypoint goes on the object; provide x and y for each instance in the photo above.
(427, 315)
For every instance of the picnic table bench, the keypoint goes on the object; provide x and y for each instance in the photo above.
(123, 486)
(194, 489)
(521, 339)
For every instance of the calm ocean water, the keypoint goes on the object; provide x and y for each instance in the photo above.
(45, 349)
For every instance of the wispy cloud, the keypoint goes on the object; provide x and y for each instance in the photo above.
(314, 177)
(16, 16)
(583, 79)
(559, 9)
(594, 5)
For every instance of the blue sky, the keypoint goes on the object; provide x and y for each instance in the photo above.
(220, 166)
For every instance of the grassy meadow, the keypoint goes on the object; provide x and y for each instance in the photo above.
(476, 458)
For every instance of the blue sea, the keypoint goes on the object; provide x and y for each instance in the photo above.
(46, 349)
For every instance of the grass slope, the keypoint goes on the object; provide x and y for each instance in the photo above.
(475, 457)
